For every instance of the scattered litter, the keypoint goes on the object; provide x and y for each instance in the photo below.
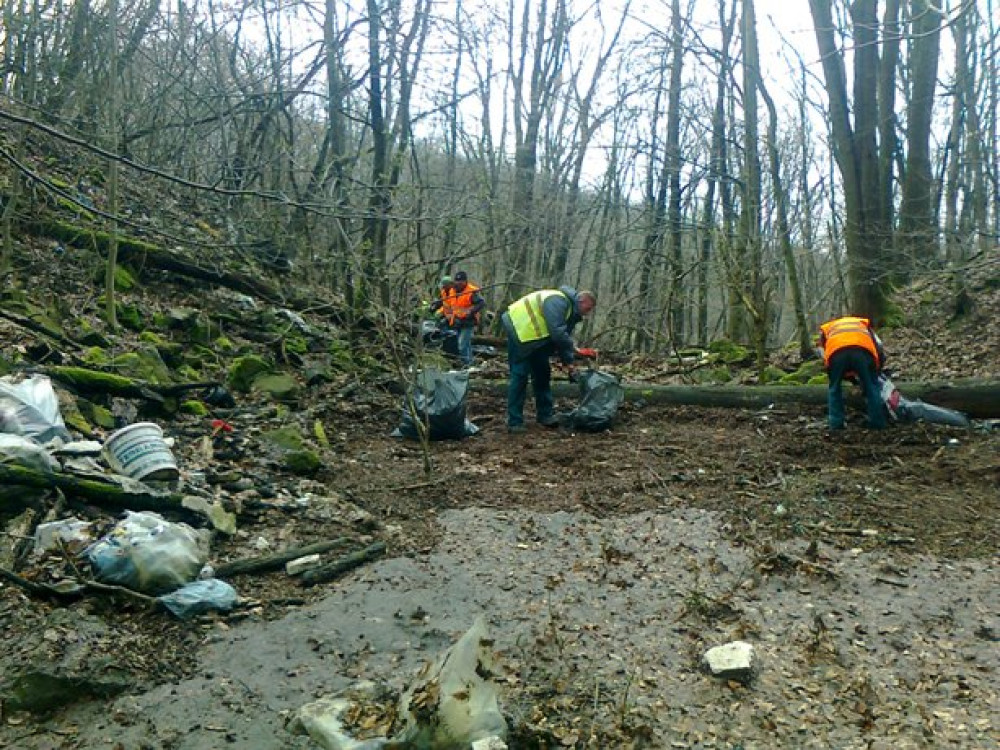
(147, 553)
(199, 597)
(139, 451)
(69, 532)
(31, 408)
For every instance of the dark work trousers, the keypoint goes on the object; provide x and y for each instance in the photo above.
(536, 367)
(858, 360)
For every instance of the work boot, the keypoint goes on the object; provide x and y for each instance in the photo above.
(516, 429)
(549, 421)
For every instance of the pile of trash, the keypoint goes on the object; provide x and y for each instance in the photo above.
(143, 551)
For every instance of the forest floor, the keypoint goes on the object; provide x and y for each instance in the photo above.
(862, 567)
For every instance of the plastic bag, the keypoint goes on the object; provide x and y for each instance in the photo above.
(147, 553)
(439, 398)
(454, 701)
(198, 597)
(25, 451)
(902, 409)
(601, 395)
(31, 408)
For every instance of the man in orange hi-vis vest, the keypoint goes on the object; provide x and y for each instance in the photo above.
(851, 346)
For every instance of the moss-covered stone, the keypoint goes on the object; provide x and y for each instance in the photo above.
(124, 278)
(129, 316)
(801, 376)
(296, 345)
(717, 375)
(279, 386)
(771, 374)
(96, 356)
(143, 364)
(284, 439)
(224, 345)
(86, 334)
(96, 414)
(303, 463)
(818, 380)
(729, 352)
(188, 373)
(243, 371)
(194, 407)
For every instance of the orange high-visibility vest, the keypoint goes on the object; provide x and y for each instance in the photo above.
(847, 331)
(458, 305)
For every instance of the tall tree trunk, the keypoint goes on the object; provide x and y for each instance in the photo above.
(917, 221)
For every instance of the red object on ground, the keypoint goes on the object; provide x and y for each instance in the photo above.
(587, 353)
(220, 425)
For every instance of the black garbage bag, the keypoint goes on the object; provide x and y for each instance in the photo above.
(601, 394)
(437, 334)
(439, 400)
(902, 409)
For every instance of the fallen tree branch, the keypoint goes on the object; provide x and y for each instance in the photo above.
(331, 571)
(274, 562)
(104, 494)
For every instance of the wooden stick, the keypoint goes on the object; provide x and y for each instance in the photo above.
(277, 560)
(327, 573)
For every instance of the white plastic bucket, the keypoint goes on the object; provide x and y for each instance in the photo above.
(138, 451)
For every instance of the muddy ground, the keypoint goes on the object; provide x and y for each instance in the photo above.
(862, 568)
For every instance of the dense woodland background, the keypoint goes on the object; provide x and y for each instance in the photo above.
(643, 151)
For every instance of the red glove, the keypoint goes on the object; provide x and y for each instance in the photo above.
(586, 353)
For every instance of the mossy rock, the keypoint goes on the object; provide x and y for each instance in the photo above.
(771, 374)
(712, 375)
(243, 371)
(296, 345)
(97, 356)
(188, 373)
(143, 364)
(303, 462)
(801, 376)
(278, 386)
(182, 318)
(130, 316)
(87, 335)
(160, 321)
(285, 439)
(92, 380)
(224, 345)
(96, 414)
(729, 352)
(818, 380)
(124, 278)
(194, 407)
(204, 331)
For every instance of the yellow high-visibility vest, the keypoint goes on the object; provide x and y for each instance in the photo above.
(527, 318)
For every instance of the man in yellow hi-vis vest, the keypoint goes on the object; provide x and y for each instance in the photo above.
(539, 325)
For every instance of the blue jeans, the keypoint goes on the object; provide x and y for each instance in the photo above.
(465, 345)
(860, 361)
(535, 367)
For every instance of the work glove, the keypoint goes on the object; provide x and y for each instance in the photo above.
(586, 352)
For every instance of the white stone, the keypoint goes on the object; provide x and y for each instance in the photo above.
(731, 661)
(301, 564)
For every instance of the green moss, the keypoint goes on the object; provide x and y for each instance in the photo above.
(772, 374)
(296, 345)
(188, 373)
(243, 371)
(96, 415)
(818, 380)
(285, 438)
(729, 352)
(95, 355)
(223, 344)
(91, 380)
(802, 375)
(129, 316)
(303, 463)
(197, 408)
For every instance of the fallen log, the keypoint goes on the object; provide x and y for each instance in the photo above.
(978, 399)
(103, 494)
(332, 571)
(274, 562)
